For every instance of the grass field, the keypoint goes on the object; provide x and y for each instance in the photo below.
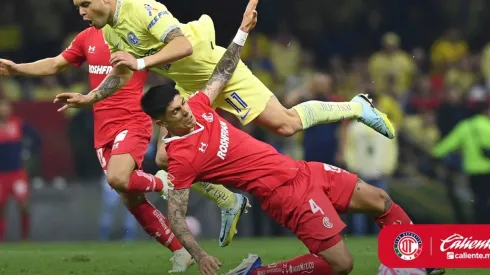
(148, 258)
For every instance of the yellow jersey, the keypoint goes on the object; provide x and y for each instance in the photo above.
(140, 27)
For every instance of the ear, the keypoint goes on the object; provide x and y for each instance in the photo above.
(161, 123)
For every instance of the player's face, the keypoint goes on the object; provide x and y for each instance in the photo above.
(95, 12)
(178, 115)
(5, 110)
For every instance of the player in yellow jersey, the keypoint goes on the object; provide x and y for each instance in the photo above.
(143, 34)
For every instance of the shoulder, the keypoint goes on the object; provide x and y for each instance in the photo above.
(199, 98)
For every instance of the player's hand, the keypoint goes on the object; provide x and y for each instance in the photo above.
(124, 59)
(73, 100)
(209, 265)
(249, 17)
(8, 68)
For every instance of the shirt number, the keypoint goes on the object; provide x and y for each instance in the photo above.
(236, 102)
(315, 208)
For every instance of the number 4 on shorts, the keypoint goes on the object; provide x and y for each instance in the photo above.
(315, 208)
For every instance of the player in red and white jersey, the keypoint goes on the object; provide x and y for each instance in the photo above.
(122, 133)
(304, 197)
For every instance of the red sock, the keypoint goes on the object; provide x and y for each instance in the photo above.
(394, 215)
(141, 182)
(306, 264)
(156, 225)
(2, 228)
(25, 226)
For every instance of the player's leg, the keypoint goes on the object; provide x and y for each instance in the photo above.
(377, 203)
(287, 122)
(349, 193)
(5, 188)
(335, 259)
(156, 225)
(315, 222)
(20, 190)
(232, 205)
(129, 153)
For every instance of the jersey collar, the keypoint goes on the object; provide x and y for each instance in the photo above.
(116, 13)
(170, 139)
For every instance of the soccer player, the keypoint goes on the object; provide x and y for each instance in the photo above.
(304, 197)
(13, 177)
(143, 34)
(121, 136)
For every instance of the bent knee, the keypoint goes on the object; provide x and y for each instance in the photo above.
(343, 267)
(384, 201)
(117, 181)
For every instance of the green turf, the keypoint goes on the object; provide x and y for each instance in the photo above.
(148, 258)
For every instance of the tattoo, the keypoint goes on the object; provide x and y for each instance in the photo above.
(388, 203)
(177, 208)
(171, 35)
(223, 71)
(359, 181)
(107, 88)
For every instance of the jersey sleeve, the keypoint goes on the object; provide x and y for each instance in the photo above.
(156, 19)
(111, 38)
(75, 53)
(181, 174)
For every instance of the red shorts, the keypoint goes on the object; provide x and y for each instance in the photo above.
(133, 141)
(309, 204)
(16, 184)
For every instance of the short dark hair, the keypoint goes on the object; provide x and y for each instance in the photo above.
(155, 102)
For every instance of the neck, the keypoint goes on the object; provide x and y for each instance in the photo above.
(112, 12)
(181, 131)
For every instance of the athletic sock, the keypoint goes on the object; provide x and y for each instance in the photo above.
(394, 215)
(223, 197)
(315, 112)
(141, 182)
(306, 264)
(156, 225)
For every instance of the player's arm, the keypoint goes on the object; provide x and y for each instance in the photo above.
(228, 63)
(177, 209)
(177, 47)
(115, 80)
(43, 67)
(164, 27)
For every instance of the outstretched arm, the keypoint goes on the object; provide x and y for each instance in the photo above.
(115, 80)
(228, 63)
(43, 67)
(177, 208)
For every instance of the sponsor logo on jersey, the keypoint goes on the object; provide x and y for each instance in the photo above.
(133, 39)
(99, 69)
(156, 18)
(224, 140)
(408, 246)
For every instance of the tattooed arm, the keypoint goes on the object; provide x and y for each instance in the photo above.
(223, 71)
(228, 63)
(177, 208)
(116, 79)
(177, 47)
